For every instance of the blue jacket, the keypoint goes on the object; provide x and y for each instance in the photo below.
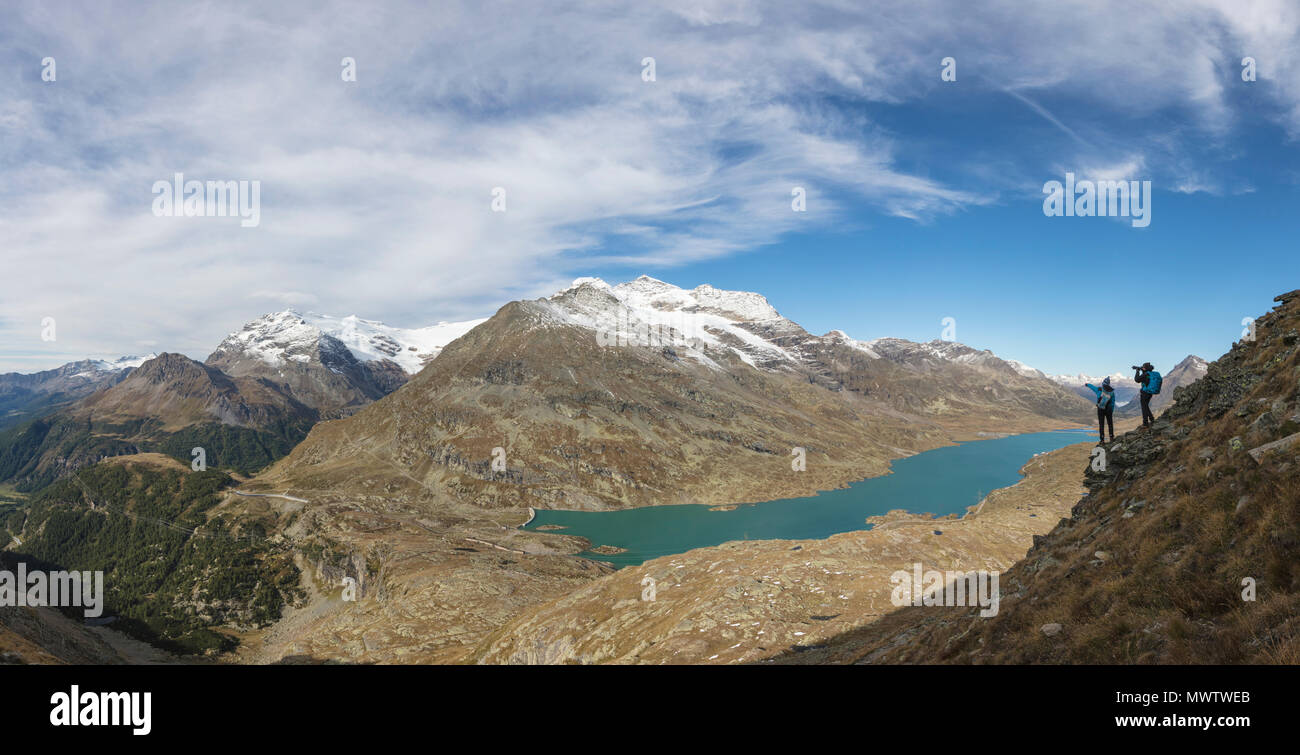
(1109, 394)
(1149, 380)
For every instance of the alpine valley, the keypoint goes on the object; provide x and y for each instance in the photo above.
(367, 484)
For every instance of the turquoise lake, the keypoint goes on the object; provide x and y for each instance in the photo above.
(943, 481)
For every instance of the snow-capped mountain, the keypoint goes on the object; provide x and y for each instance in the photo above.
(938, 352)
(370, 340)
(284, 337)
(334, 365)
(1186, 372)
(616, 393)
(694, 324)
(1025, 369)
(1116, 380)
(410, 348)
(1191, 365)
(724, 330)
(708, 325)
(121, 363)
(1125, 388)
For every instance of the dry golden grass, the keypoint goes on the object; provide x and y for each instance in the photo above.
(1162, 581)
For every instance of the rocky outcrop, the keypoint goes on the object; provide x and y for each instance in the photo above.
(176, 391)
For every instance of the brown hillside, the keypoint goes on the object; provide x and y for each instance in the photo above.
(1149, 567)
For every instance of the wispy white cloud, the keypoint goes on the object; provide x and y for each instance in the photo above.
(376, 194)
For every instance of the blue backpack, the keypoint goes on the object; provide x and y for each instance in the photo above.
(1153, 382)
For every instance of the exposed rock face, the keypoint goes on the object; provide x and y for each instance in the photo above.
(1200, 541)
(45, 636)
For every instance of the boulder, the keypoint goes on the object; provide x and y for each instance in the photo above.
(1278, 445)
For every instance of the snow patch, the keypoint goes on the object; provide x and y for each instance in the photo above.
(649, 312)
(287, 336)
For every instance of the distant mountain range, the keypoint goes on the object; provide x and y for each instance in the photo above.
(1186, 372)
(266, 384)
(597, 397)
(257, 395)
(27, 395)
(606, 397)
(611, 396)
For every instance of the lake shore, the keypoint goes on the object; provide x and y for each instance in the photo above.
(750, 601)
(941, 481)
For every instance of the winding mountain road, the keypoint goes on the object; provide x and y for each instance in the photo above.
(270, 495)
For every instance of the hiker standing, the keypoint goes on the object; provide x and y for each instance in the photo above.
(1147, 377)
(1105, 408)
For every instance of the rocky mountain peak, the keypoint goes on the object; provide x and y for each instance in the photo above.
(168, 367)
(274, 339)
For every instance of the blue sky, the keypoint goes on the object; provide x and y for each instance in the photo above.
(924, 196)
(1065, 295)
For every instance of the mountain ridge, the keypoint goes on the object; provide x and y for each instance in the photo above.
(27, 395)
(600, 398)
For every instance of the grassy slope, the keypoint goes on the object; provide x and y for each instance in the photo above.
(1149, 567)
